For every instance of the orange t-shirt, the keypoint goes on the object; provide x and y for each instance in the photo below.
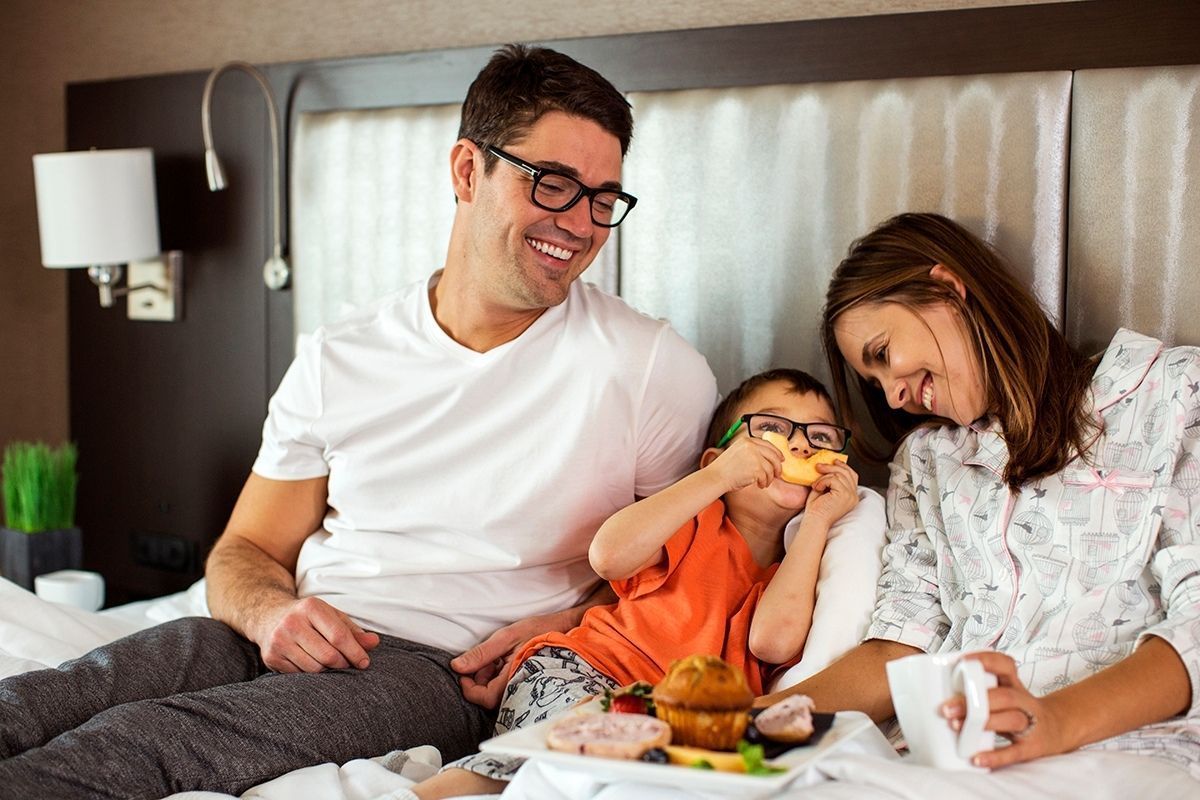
(700, 599)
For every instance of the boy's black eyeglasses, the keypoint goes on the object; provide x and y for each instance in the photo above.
(821, 435)
(557, 191)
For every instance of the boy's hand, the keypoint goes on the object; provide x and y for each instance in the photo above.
(834, 493)
(748, 461)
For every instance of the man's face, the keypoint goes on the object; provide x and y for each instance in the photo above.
(526, 256)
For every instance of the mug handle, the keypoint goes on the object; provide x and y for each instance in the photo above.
(975, 682)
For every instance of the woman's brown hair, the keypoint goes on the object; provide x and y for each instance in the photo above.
(1034, 382)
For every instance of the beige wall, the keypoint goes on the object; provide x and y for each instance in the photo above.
(46, 44)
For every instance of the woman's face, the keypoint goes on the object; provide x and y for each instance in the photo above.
(920, 358)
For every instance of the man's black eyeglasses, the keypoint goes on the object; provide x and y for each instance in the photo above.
(557, 191)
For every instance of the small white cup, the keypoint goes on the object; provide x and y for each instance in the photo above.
(73, 587)
(920, 684)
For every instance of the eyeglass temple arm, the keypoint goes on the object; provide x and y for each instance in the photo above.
(737, 423)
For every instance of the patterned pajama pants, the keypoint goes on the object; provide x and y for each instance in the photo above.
(551, 681)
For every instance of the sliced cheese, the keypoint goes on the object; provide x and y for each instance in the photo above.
(718, 759)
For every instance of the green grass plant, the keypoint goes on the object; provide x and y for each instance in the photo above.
(39, 486)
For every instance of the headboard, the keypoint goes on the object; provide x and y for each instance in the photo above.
(1062, 133)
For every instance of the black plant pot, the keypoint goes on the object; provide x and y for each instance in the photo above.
(24, 556)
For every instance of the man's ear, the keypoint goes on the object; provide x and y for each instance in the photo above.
(708, 456)
(941, 273)
(466, 165)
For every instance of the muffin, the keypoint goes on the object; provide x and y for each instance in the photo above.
(705, 701)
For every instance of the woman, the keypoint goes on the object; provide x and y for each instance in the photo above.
(1043, 505)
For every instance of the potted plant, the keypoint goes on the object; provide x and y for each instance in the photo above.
(39, 534)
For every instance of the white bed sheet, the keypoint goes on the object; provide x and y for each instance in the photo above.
(36, 634)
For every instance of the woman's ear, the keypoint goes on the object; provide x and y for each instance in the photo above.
(941, 273)
(465, 161)
(708, 456)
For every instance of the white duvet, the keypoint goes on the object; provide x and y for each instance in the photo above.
(35, 634)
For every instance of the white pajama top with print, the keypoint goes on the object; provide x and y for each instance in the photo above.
(1070, 573)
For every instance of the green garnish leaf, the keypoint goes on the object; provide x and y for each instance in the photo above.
(752, 757)
(702, 763)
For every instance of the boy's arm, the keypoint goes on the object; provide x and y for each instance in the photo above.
(632, 539)
(784, 613)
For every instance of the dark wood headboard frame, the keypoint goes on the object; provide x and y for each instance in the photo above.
(168, 417)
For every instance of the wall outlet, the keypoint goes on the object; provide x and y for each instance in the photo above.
(162, 551)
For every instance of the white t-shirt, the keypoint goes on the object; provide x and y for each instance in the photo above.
(465, 487)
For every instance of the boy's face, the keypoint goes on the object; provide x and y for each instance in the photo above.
(780, 399)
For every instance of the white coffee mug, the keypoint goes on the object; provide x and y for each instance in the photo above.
(74, 587)
(920, 684)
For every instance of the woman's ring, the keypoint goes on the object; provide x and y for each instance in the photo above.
(1030, 724)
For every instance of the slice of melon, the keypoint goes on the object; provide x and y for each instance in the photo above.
(801, 471)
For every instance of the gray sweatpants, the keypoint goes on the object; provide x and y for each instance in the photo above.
(188, 705)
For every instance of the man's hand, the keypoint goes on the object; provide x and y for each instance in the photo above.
(309, 635)
(484, 668)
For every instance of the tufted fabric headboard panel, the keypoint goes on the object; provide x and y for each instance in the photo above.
(748, 197)
(1134, 205)
(752, 196)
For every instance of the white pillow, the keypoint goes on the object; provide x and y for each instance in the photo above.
(846, 585)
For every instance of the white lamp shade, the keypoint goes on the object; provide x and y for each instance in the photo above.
(96, 207)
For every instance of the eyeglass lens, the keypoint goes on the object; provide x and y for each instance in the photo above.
(821, 436)
(555, 192)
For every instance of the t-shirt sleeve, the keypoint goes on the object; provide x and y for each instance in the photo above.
(908, 607)
(651, 578)
(678, 399)
(1175, 562)
(290, 449)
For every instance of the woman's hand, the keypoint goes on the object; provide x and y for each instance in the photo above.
(748, 461)
(1029, 722)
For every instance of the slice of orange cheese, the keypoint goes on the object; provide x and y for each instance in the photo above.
(802, 471)
(717, 759)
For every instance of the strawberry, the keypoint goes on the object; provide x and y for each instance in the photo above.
(628, 704)
(633, 699)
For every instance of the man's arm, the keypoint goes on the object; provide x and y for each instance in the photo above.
(251, 580)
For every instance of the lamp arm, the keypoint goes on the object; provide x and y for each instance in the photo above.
(273, 114)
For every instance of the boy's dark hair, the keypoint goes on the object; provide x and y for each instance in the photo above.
(799, 381)
(520, 84)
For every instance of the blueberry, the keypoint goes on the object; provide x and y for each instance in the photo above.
(655, 755)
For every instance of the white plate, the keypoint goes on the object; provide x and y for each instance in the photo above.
(531, 743)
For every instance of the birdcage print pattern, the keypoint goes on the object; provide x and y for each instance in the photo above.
(1032, 527)
(1124, 455)
(1191, 426)
(1187, 476)
(1048, 572)
(1105, 552)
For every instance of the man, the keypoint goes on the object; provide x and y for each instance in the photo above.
(430, 477)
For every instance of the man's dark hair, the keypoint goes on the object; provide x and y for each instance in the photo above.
(520, 84)
(799, 381)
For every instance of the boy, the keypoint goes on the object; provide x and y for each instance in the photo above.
(699, 567)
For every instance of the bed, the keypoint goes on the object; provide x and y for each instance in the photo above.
(1084, 172)
(36, 634)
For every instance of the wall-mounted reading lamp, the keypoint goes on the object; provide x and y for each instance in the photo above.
(276, 273)
(97, 209)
